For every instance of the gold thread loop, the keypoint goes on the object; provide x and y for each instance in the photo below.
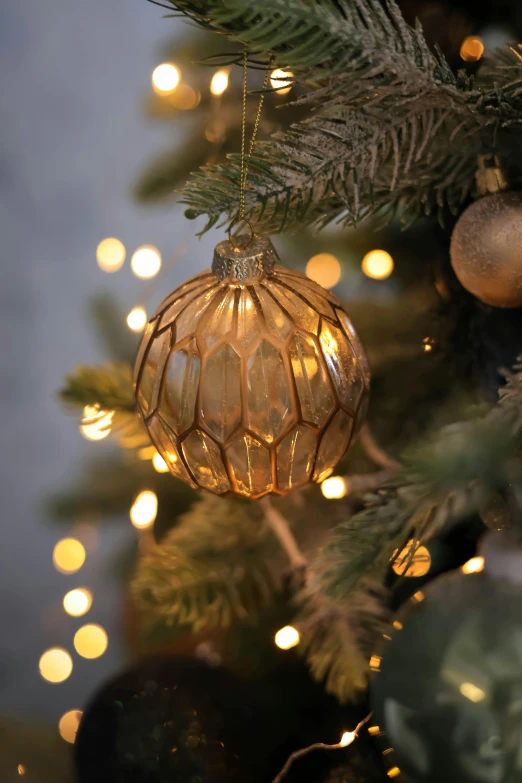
(231, 239)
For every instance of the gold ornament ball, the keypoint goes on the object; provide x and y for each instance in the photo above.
(250, 378)
(486, 249)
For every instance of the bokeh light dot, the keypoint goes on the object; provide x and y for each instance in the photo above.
(55, 665)
(473, 566)
(146, 262)
(110, 254)
(68, 725)
(472, 49)
(136, 319)
(334, 488)
(325, 269)
(68, 555)
(287, 637)
(165, 78)
(281, 80)
(96, 423)
(144, 509)
(77, 602)
(90, 641)
(159, 463)
(377, 264)
(219, 82)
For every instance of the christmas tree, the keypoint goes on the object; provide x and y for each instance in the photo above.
(252, 382)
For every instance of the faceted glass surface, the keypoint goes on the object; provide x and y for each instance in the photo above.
(251, 388)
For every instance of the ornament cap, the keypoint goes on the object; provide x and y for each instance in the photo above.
(245, 260)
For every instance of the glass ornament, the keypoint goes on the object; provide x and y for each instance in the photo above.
(250, 378)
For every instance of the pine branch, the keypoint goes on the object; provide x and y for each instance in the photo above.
(110, 387)
(219, 566)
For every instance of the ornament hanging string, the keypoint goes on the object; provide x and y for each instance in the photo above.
(245, 160)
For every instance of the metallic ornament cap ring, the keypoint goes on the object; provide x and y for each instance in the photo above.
(244, 260)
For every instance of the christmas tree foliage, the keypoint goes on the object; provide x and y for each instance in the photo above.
(383, 131)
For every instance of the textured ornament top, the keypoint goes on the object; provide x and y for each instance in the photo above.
(253, 383)
(246, 261)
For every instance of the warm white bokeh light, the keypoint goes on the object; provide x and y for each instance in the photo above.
(281, 80)
(68, 555)
(472, 692)
(287, 637)
(90, 641)
(165, 78)
(474, 565)
(159, 463)
(96, 424)
(334, 487)
(55, 665)
(77, 602)
(144, 509)
(219, 82)
(472, 49)
(68, 725)
(110, 254)
(419, 563)
(377, 264)
(136, 319)
(347, 738)
(146, 262)
(325, 269)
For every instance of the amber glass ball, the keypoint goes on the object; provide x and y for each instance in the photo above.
(251, 387)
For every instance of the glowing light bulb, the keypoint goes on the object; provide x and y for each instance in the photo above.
(419, 561)
(473, 566)
(144, 509)
(325, 269)
(77, 602)
(375, 663)
(21, 769)
(165, 78)
(334, 487)
(90, 641)
(287, 637)
(159, 463)
(110, 254)
(347, 738)
(96, 424)
(393, 772)
(472, 692)
(136, 319)
(55, 665)
(377, 264)
(68, 555)
(281, 80)
(472, 49)
(146, 262)
(373, 731)
(219, 82)
(185, 97)
(68, 725)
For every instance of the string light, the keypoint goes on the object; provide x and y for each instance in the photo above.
(146, 262)
(55, 665)
(375, 663)
(427, 344)
(373, 731)
(347, 738)
(473, 566)
(377, 264)
(219, 82)
(419, 561)
(68, 725)
(325, 269)
(287, 637)
(159, 463)
(281, 80)
(334, 488)
(472, 49)
(418, 597)
(144, 509)
(68, 555)
(472, 692)
(21, 769)
(165, 78)
(96, 424)
(393, 772)
(136, 319)
(185, 97)
(77, 602)
(90, 641)
(110, 254)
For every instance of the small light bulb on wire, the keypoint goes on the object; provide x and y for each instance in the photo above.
(347, 738)
(472, 49)
(159, 464)
(334, 488)
(146, 262)
(219, 82)
(473, 566)
(287, 637)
